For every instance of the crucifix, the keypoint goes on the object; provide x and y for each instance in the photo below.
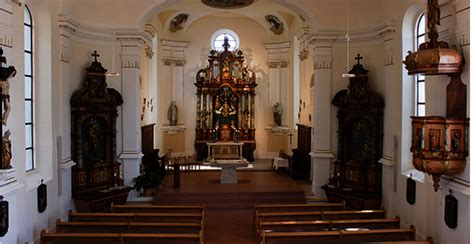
(358, 58)
(95, 55)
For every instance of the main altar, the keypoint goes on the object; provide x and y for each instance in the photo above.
(225, 108)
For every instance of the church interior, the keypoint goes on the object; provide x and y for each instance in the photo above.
(238, 121)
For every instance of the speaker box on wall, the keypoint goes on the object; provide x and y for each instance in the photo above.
(411, 191)
(451, 211)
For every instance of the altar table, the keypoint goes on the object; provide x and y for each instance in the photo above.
(229, 169)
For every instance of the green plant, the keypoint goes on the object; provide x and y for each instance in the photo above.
(147, 180)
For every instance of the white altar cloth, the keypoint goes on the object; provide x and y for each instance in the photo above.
(229, 169)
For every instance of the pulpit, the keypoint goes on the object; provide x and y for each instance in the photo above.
(225, 109)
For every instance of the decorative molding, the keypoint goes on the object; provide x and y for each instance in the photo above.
(173, 129)
(85, 33)
(278, 130)
(10, 189)
(278, 54)
(303, 54)
(387, 161)
(173, 52)
(302, 33)
(67, 163)
(322, 65)
(149, 52)
(321, 154)
(375, 33)
(150, 30)
(128, 154)
(456, 184)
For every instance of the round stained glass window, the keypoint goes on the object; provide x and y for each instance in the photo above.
(217, 40)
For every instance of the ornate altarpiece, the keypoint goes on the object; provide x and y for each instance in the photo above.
(357, 176)
(225, 109)
(96, 175)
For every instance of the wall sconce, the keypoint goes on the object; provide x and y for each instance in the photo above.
(439, 145)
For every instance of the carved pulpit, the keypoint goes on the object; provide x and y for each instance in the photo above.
(357, 175)
(225, 110)
(96, 179)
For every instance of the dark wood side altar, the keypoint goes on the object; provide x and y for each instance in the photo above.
(357, 177)
(225, 109)
(96, 181)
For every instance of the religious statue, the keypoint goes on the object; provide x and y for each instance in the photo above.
(177, 23)
(173, 114)
(277, 111)
(456, 141)
(6, 73)
(94, 134)
(6, 150)
(245, 119)
(216, 131)
(204, 115)
(434, 140)
(433, 15)
(225, 103)
(276, 24)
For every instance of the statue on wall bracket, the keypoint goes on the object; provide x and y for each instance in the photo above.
(177, 23)
(5, 74)
(173, 114)
(277, 27)
(277, 111)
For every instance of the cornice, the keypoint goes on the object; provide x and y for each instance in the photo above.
(375, 33)
(85, 33)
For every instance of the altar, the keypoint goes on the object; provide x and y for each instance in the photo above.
(225, 107)
(229, 169)
(224, 150)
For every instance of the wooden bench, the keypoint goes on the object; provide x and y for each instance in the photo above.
(137, 217)
(340, 237)
(265, 208)
(320, 215)
(126, 227)
(118, 238)
(146, 208)
(326, 225)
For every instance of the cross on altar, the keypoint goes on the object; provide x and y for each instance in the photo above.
(358, 58)
(95, 55)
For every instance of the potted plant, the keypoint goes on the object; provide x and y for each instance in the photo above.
(147, 182)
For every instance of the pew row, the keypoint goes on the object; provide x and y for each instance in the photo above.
(320, 215)
(118, 238)
(339, 237)
(137, 217)
(266, 208)
(330, 225)
(147, 208)
(126, 227)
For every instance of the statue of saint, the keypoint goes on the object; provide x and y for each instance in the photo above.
(5, 86)
(6, 150)
(173, 114)
(204, 115)
(277, 111)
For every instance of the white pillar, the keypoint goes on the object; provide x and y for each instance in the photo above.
(321, 139)
(131, 131)
(390, 121)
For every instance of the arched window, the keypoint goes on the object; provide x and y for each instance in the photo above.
(420, 79)
(217, 40)
(29, 113)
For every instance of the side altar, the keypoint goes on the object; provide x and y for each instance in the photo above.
(225, 108)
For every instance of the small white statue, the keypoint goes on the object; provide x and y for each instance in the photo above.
(173, 114)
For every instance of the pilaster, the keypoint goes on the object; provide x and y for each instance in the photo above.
(321, 145)
(131, 131)
(173, 74)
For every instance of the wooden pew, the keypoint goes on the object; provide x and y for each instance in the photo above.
(266, 208)
(321, 215)
(326, 225)
(330, 225)
(339, 237)
(137, 217)
(146, 208)
(126, 227)
(117, 238)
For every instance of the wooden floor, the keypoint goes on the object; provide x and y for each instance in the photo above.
(229, 207)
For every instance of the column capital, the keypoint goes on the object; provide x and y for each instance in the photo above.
(173, 52)
(318, 40)
(278, 54)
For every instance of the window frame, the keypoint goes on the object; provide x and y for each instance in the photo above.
(29, 98)
(420, 32)
(224, 32)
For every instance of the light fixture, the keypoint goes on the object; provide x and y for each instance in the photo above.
(348, 39)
